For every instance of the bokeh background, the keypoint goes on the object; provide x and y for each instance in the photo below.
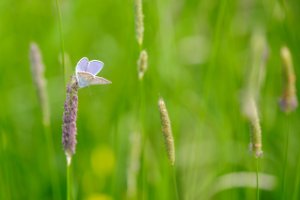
(200, 53)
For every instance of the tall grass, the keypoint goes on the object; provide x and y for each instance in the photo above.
(37, 69)
(69, 129)
(142, 63)
(197, 52)
(288, 103)
(169, 140)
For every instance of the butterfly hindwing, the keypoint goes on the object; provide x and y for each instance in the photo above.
(99, 81)
(85, 79)
(94, 67)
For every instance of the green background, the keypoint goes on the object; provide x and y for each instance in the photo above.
(200, 54)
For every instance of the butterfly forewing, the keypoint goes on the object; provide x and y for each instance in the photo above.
(82, 65)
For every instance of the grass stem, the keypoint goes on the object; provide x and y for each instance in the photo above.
(52, 162)
(257, 179)
(175, 182)
(143, 134)
(297, 181)
(285, 163)
(69, 191)
(62, 45)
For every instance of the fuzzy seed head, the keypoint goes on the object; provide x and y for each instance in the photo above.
(142, 64)
(167, 131)
(139, 21)
(255, 136)
(69, 129)
(37, 69)
(288, 101)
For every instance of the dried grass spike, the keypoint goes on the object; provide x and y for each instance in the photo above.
(256, 139)
(288, 101)
(37, 69)
(142, 64)
(167, 131)
(139, 21)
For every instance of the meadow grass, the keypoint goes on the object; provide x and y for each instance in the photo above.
(40, 82)
(199, 55)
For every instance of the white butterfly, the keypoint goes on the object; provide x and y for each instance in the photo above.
(86, 72)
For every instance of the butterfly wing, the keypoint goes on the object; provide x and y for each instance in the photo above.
(85, 79)
(99, 81)
(82, 65)
(94, 67)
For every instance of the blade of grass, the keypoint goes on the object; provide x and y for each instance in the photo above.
(286, 146)
(62, 46)
(52, 162)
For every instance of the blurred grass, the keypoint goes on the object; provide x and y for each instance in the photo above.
(199, 55)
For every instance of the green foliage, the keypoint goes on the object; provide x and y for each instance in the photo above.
(199, 55)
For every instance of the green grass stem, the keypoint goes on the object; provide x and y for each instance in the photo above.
(69, 186)
(257, 178)
(62, 45)
(286, 147)
(297, 181)
(175, 185)
(52, 162)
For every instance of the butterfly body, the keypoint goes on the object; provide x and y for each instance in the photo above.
(86, 72)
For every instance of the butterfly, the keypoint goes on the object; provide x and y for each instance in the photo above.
(86, 72)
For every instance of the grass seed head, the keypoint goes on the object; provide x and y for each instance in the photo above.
(69, 129)
(142, 64)
(139, 21)
(288, 101)
(167, 131)
(37, 69)
(255, 135)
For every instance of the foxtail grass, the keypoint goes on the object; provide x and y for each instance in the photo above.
(288, 102)
(37, 70)
(142, 64)
(254, 82)
(69, 120)
(69, 128)
(169, 140)
(167, 131)
(139, 21)
(40, 83)
(255, 136)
